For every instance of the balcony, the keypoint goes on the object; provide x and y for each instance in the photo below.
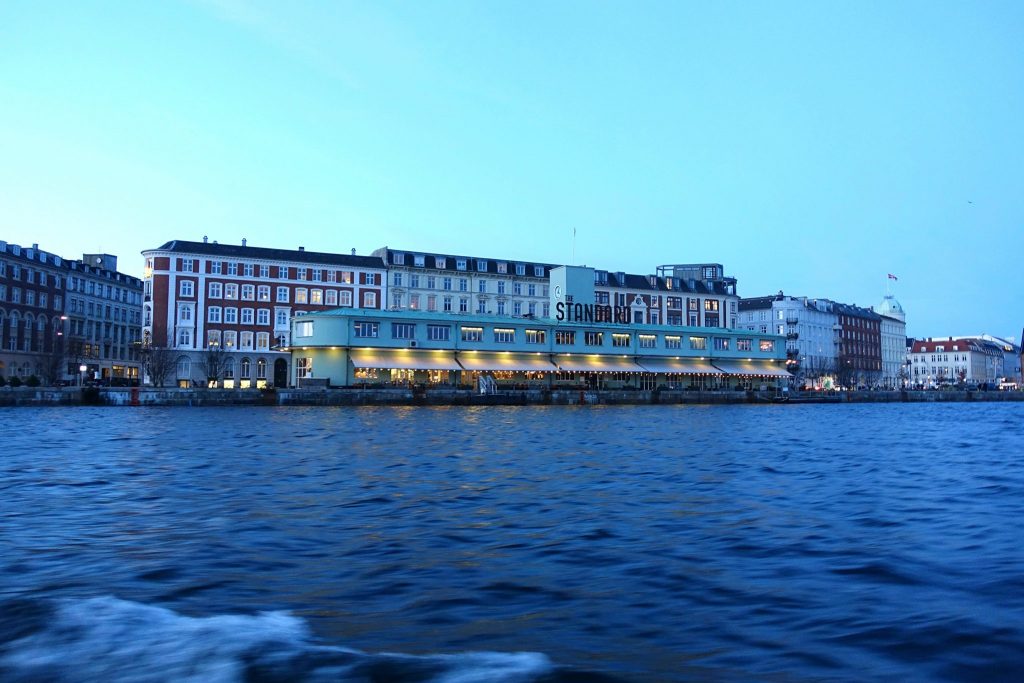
(792, 353)
(792, 320)
(792, 335)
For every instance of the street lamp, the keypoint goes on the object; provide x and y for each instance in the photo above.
(81, 374)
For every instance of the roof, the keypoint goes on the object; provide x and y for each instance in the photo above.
(430, 261)
(931, 345)
(267, 254)
(35, 257)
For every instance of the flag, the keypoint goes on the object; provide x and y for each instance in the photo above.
(893, 277)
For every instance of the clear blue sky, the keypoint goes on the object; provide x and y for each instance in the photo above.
(810, 147)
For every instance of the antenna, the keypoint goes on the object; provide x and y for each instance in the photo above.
(573, 260)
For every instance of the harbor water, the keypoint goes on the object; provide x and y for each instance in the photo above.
(642, 543)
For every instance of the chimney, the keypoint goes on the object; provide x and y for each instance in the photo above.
(243, 241)
(353, 251)
(302, 249)
(205, 239)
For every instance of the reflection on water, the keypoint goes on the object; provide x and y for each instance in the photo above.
(644, 543)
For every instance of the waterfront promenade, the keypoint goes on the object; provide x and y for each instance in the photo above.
(147, 396)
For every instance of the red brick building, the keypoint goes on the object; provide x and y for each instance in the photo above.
(202, 296)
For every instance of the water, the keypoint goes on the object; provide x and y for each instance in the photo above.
(648, 543)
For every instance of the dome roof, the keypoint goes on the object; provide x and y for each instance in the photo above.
(891, 308)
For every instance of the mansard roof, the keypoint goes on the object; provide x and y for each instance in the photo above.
(431, 259)
(268, 254)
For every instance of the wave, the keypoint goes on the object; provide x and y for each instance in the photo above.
(109, 639)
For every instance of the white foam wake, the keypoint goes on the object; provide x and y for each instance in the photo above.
(116, 640)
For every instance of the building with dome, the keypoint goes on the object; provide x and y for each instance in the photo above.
(894, 342)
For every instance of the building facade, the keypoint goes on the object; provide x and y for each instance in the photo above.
(225, 310)
(812, 332)
(695, 295)
(937, 362)
(893, 329)
(584, 343)
(58, 316)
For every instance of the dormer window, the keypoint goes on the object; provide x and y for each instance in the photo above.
(399, 258)
(520, 269)
(460, 264)
(481, 265)
(502, 267)
(538, 271)
(418, 260)
(441, 262)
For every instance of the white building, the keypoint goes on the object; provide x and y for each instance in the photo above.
(935, 362)
(811, 329)
(894, 343)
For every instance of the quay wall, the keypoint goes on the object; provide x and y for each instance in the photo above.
(147, 396)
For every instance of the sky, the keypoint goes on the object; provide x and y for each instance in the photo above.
(812, 148)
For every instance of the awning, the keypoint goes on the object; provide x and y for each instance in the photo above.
(403, 359)
(751, 368)
(596, 363)
(679, 366)
(514, 362)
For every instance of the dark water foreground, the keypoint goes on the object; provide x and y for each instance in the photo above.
(726, 543)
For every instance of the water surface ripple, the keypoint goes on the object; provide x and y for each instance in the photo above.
(645, 543)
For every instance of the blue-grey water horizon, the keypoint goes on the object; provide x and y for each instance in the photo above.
(640, 543)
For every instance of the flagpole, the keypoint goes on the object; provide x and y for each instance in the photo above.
(573, 261)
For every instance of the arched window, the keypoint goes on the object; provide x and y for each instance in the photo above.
(229, 368)
(261, 368)
(41, 323)
(184, 368)
(245, 368)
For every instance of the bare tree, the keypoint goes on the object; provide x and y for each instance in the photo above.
(214, 362)
(158, 362)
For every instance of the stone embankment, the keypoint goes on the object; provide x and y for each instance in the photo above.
(146, 396)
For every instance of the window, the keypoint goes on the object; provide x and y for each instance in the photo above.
(721, 344)
(517, 308)
(301, 295)
(263, 293)
(501, 308)
(535, 336)
(673, 342)
(447, 304)
(264, 271)
(230, 316)
(369, 300)
(345, 298)
(213, 314)
(565, 337)
(698, 343)
(520, 269)
(215, 290)
(399, 258)
(501, 286)
(282, 295)
(592, 338)
(282, 272)
(472, 334)
(446, 284)
(418, 260)
(414, 302)
(230, 291)
(303, 367)
(346, 277)
(767, 345)
(531, 289)
(647, 341)
(538, 271)
(262, 344)
(620, 339)
(316, 297)
(743, 345)
(463, 284)
(304, 328)
(301, 273)
(263, 316)
(439, 332)
(481, 307)
(185, 337)
(397, 280)
(460, 264)
(502, 267)
(186, 288)
(245, 341)
(517, 288)
(463, 304)
(440, 262)
(187, 265)
(366, 329)
(710, 304)
(318, 275)
(504, 335)
(248, 292)
(481, 286)
(403, 331)
(248, 269)
(247, 316)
